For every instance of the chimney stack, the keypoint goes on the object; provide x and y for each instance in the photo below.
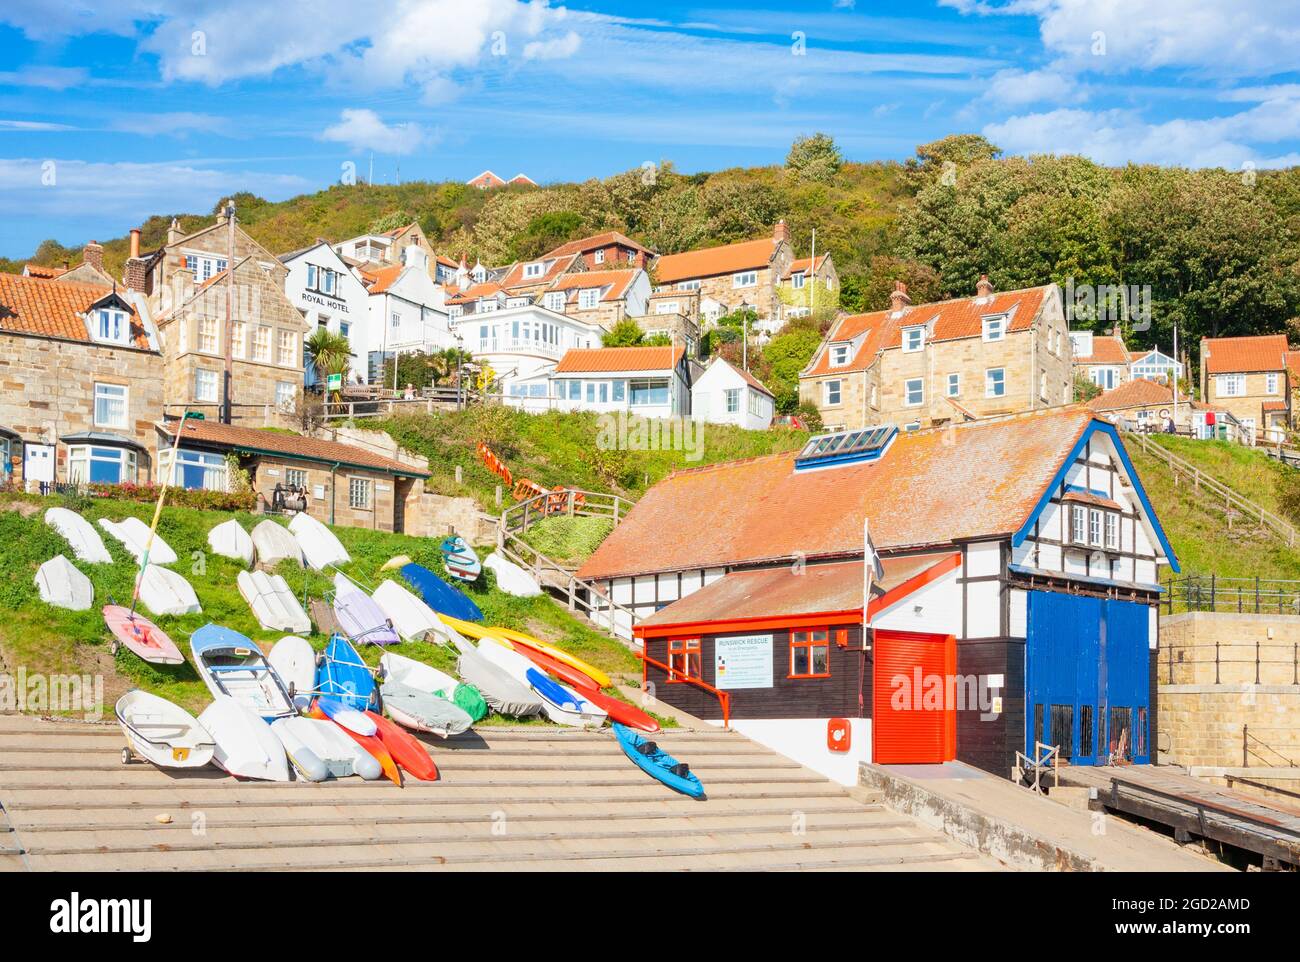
(133, 274)
(781, 232)
(983, 288)
(93, 254)
(899, 299)
(173, 232)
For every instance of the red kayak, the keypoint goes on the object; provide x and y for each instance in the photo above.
(405, 749)
(141, 636)
(370, 743)
(617, 709)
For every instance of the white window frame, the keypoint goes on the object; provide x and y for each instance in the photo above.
(995, 387)
(744, 279)
(913, 339)
(588, 298)
(284, 352)
(106, 393)
(1112, 531)
(1094, 527)
(359, 494)
(954, 385)
(286, 394)
(1230, 385)
(209, 336)
(1271, 382)
(1078, 524)
(80, 457)
(731, 400)
(796, 280)
(909, 390)
(833, 393)
(598, 256)
(202, 377)
(238, 340)
(994, 328)
(554, 301)
(262, 344)
(840, 355)
(535, 269)
(112, 326)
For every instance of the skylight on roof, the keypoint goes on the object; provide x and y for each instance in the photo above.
(845, 447)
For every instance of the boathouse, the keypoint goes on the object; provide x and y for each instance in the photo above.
(1011, 587)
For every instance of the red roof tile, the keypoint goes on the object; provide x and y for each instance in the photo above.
(596, 242)
(31, 305)
(804, 264)
(611, 360)
(617, 281)
(1244, 355)
(287, 445)
(946, 321)
(932, 487)
(1133, 393)
(1108, 349)
(37, 270)
(747, 255)
(474, 292)
(559, 265)
(384, 278)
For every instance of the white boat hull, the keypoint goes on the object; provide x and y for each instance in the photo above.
(294, 660)
(230, 540)
(164, 592)
(163, 733)
(86, 543)
(319, 750)
(274, 543)
(245, 745)
(412, 618)
(511, 578)
(134, 535)
(273, 604)
(319, 546)
(61, 584)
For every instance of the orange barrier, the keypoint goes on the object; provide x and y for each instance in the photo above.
(523, 489)
(724, 697)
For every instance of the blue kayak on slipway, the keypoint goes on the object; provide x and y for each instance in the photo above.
(656, 763)
(344, 676)
(439, 595)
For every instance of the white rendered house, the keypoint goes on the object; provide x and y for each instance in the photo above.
(724, 394)
(330, 295)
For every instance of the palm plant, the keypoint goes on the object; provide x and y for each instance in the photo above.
(329, 353)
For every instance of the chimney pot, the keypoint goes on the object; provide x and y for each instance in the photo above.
(899, 299)
(781, 232)
(135, 242)
(983, 288)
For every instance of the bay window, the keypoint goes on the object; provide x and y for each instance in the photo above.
(94, 464)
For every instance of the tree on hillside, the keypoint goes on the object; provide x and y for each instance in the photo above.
(246, 203)
(546, 232)
(785, 355)
(390, 221)
(870, 291)
(959, 150)
(626, 333)
(814, 158)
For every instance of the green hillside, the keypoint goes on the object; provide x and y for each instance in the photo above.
(49, 640)
(1197, 526)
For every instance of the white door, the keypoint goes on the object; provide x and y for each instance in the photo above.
(38, 462)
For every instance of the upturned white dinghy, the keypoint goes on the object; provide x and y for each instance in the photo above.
(161, 732)
(560, 703)
(134, 535)
(275, 543)
(294, 660)
(230, 540)
(412, 618)
(319, 546)
(273, 604)
(320, 749)
(499, 688)
(61, 584)
(511, 578)
(164, 592)
(245, 746)
(86, 543)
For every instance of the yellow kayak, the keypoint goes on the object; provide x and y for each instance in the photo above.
(513, 637)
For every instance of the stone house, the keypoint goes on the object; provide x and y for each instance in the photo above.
(607, 249)
(1146, 405)
(345, 484)
(805, 283)
(529, 279)
(744, 275)
(931, 364)
(1248, 377)
(81, 381)
(600, 297)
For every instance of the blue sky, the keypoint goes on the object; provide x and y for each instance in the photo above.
(111, 111)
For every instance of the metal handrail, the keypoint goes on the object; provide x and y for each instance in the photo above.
(724, 697)
(518, 517)
(1242, 595)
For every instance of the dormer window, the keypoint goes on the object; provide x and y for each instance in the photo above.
(588, 298)
(555, 301)
(839, 355)
(112, 326)
(995, 328)
(913, 339)
(534, 270)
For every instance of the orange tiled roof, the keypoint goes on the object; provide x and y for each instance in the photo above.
(932, 487)
(611, 360)
(747, 255)
(745, 375)
(1244, 355)
(804, 264)
(1274, 406)
(384, 278)
(30, 305)
(474, 292)
(945, 320)
(1134, 393)
(515, 276)
(289, 445)
(597, 242)
(617, 281)
(1108, 349)
(39, 271)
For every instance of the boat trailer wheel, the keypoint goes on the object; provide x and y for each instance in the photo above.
(126, 756)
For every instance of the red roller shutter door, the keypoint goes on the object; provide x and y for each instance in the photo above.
(912, 733)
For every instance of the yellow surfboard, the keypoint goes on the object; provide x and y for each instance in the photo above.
(469, 628)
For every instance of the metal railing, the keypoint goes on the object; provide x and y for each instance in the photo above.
(1239, 595)
(378, 405)
(571, 502)
(1257, 657)
(1252, 746)
(1231, 500)
(724, 697)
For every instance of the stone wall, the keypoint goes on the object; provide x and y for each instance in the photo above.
(1208, 693)
(47, 390)
(328, 493)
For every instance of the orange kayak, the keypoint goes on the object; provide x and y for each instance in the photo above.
(370, 743)
(405, 749)
(617, 709)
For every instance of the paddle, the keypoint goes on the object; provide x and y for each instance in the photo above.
(157, 513)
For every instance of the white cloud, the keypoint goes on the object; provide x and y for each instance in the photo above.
(1032, 86)
(364, 130)
(554, 49)
(32, 126)
(1117, 137)
(176, 123)
(1219, 38)
(49, 78)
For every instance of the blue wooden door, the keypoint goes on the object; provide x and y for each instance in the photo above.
(1086, 677)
